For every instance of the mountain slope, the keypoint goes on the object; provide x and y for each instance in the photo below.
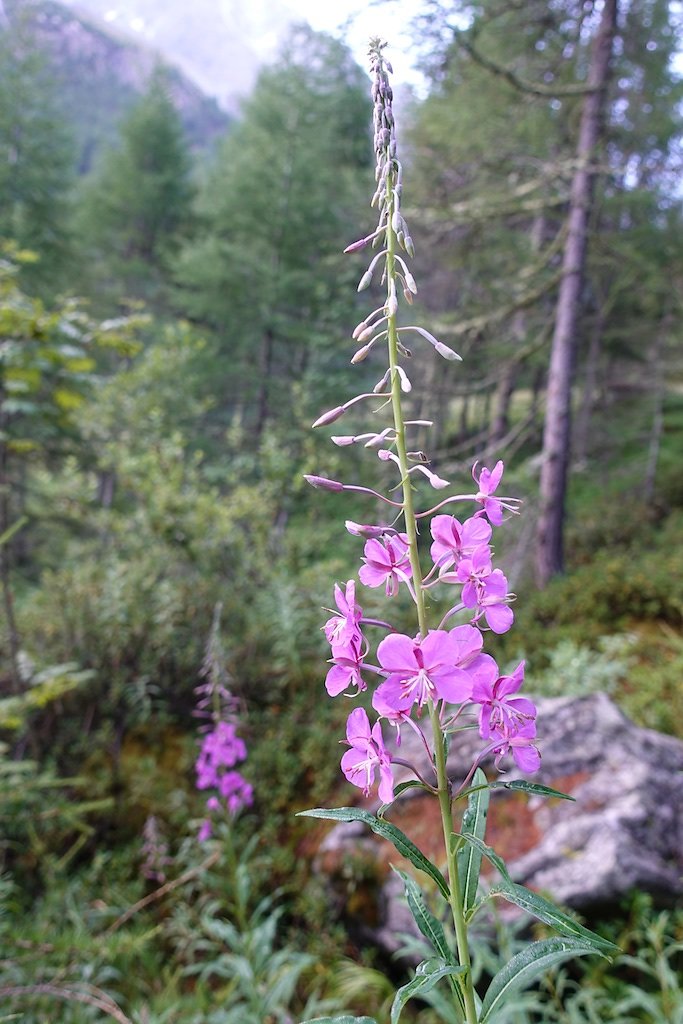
(99, 73)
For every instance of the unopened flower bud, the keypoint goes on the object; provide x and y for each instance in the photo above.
(360, 355)
(343, 440)
(409, 247)
(330, 416)
(410, 281)
(408, 296)
(366, 333)
(447, 352)
(406, 386)
(323, 483)
(381, 383)
(364, 281)
(358, 328)
(357, 246)
(366, 531)
(392, 305)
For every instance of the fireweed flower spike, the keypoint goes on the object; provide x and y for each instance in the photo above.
(437, 680)
(220, 746)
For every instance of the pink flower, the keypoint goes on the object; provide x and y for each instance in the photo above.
(500, 710)
(488, 483)
(236, 791)
(386, 562)
(428, 669)
(346, 668)
(344, 628)
(366, 754)
(485, 589)
(221, 748)
(453, 540)
(520, 744)
(395, 716)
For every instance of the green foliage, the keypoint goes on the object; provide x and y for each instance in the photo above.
(276, 204)
(135, 206)
(36, 158)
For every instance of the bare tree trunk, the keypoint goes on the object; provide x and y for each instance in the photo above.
(557, 429)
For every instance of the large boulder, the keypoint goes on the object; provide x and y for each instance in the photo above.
(624, 830)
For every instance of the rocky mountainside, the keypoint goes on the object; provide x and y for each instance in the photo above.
(100, 72)
(219, 44)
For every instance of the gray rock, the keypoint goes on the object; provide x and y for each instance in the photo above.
(624, 830)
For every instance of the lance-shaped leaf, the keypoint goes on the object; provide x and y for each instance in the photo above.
(406, 847)
(429, 925)
(431, 928)
(426, 976)
(489, 853)
(525, 967)
(347, 1019)
(469, 856)
(521, 786)
(543, 910)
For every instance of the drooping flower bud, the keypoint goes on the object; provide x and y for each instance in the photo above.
(330, 416)
(322, 483)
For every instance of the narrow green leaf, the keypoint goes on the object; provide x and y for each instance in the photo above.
(522, 786)
(527, 965)
(489, 853)
(406, 847)
(426, 976)
(469, 857)
(428, 924)
(519, 786)
(543, 910)
(430, 927)
(340, 1020)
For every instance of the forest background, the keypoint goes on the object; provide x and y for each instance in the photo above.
(175, 311)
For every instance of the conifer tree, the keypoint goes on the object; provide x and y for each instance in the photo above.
(266, 268)
(36, 159)
(135, 206)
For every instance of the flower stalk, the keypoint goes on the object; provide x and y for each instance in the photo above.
(410, 523)
(441, 671)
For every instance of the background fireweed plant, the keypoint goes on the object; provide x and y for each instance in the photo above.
(439, 681)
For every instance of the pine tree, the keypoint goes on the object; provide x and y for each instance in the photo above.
(36, 159)
(135, 206)
(265, 270)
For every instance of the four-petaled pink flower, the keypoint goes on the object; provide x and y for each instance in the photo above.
(520, 744)
(343, 628)
(488, 483)
(386, 562)
(485, 589)
(347, 662)
(444, 665)
(431, 668)
(367, 753)
(453, 539)
(500, 710)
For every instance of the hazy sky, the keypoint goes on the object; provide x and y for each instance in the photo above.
(359, 21)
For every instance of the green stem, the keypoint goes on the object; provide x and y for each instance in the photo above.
(455, 901)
